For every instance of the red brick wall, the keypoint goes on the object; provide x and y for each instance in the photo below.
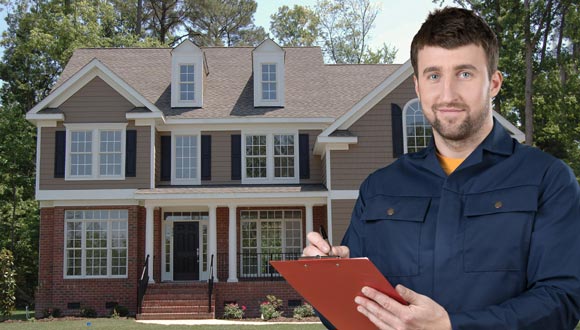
(222, 258)
(252, 294)
(157, 223)
(55, 291)
(319, 217)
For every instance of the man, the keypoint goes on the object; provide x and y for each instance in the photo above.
(476, 231)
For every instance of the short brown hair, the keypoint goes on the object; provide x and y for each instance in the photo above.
(455, 27)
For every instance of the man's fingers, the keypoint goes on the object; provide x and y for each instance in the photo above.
(341, 251)
(320, 243)
(385, 301)
(320, 247)
(376, 314)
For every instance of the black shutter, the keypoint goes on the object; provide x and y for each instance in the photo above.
(236, 157)
(59, 153)
(304, 154)
(131, 154)
(397, 122)
(165, 158)
(206, 157)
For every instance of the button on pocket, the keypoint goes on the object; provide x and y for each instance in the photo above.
(498, 226)
(393, 232)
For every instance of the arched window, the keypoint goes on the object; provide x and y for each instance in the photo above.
(417, 130)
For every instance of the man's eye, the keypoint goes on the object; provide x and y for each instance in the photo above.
(433, 76)
(465, 75)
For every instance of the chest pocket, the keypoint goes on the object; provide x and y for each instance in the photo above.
(498, 229)
(393, 233)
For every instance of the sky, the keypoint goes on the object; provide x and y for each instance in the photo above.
(396, 23)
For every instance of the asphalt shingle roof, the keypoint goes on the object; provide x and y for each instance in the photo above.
(313, 89)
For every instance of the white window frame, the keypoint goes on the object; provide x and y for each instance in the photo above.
(258, 236)
(262, 81)
(407, 108)
(95, 129)
(270, 178)
(84, 249)
(188, 82)
(174, 179)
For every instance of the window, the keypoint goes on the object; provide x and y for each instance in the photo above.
(186, 159)
(269, 235)
(269, 82)
(96, 243)
(416, 129)
(270, 158)
(187, 82)
(95, 153)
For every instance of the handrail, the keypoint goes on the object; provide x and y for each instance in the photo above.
(210, 285)
(142, 284)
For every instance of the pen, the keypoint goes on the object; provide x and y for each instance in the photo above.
(325, 237)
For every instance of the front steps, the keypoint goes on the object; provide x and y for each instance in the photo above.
(177, 301)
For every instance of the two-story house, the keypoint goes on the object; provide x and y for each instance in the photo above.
(211, 161)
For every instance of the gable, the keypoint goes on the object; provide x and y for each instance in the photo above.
(96, 102)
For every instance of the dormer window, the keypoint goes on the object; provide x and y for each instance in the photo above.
(187, 82)
(269, 72)
(269, 82)
(187, 73)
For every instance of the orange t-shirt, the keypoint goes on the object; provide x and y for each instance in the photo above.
(449, 164)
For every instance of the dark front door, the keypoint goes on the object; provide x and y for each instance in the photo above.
(185, 251)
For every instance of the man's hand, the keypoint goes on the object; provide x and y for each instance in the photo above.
(386, 313)
(320, 247)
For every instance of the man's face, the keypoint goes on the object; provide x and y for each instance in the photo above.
(455, 91)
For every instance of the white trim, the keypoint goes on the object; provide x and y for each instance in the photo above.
(48, 117)
(232, 244)
(37, 167)
(328, 167)
(152, 156)
(174, 180)
(338, 139)
(93, 69)
(371, 99)
(310, 123)
(344, 194)
(112, 202)
(309, 220)
(143, 115)
(264, 200)
(269, 52)
(329, 228)
(89, 194)
(95, 129)
(270, 168)
(513, 130)
(149, 239)
(212, 240)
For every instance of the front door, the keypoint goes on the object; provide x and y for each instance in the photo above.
(186, 251)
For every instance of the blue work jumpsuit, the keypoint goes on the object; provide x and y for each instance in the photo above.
(496, 243)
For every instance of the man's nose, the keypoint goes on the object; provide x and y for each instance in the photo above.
(448, 90)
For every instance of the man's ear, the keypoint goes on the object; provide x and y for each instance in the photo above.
(495, 83)
(416, 86)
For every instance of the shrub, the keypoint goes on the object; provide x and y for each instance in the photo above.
(88, 312)
(121, 311)
(305, 310)
(271, 309)
(234, 311)
(7, 282)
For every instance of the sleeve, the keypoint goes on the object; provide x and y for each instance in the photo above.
(552, 298)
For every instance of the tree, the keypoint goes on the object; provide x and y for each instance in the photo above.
(166, 18)
(7, 283)
(222, 22)
(295, 27)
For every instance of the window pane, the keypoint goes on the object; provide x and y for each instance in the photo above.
(110, 153)
(284, 156)
(81, 153)
(187, 82)
(186, 157)
(418, 131)
(256, 156)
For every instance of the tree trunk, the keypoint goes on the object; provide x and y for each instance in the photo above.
(529, 106)
(139, 18)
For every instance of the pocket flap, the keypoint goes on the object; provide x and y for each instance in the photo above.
(515, 199)
(396, 208)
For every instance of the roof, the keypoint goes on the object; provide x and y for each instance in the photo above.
(313, 89)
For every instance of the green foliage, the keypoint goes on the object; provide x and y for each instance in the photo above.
(119, 311)
(303, 311)
(295, 27)
(88, 312)
(271, 308)
(7, 282)
(52, 312)
(234, 311)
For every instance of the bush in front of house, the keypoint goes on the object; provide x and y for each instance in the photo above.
(120, 311)
(7, 282)
(88, 312)
(271, 308)
(234, 311)
(303, 311)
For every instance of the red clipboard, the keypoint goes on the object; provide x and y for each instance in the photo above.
(331, 284)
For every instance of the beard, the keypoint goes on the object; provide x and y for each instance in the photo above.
(460, 129)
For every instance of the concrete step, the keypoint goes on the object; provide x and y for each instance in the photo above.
(175, 316)
(175, 309)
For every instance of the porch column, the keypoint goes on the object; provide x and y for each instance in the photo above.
(309, 220)
(149, 239)
(232, 245)
(212, 239)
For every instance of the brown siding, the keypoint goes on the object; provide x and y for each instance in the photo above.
(221, 157)
(341, 212)
(49, 182)
(315, 161)
(375, 146)
(96, 102)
